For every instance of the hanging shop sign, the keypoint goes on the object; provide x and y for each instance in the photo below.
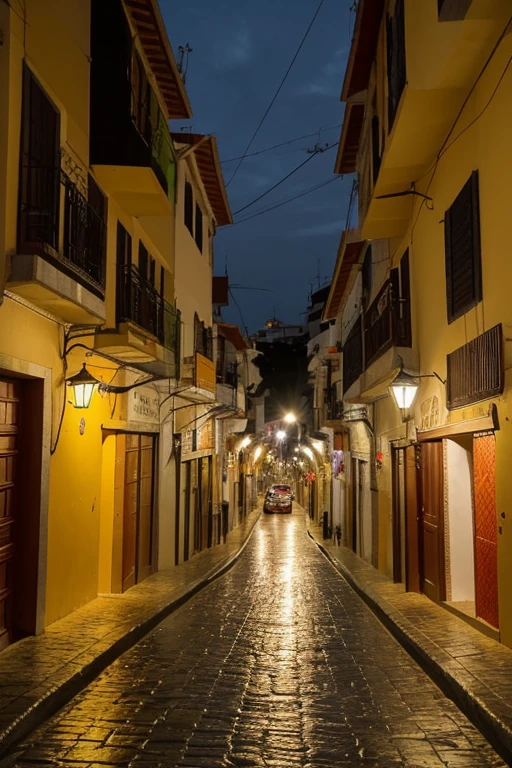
(205, 373)
(206, 436)
(143, 405)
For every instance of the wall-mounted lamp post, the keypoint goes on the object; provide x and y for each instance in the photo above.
(83, 384)
(404, 388)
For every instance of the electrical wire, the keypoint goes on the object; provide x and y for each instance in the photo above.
(276, 93)
(445, 146)
(237, 305)
(289, 200)
(270, 189)
(283, 143)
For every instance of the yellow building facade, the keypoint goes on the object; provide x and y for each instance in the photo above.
(87, 266)
(427, 92)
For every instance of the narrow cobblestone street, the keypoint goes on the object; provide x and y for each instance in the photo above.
(278, 663)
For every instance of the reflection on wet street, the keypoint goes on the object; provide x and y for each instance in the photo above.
(278, 663)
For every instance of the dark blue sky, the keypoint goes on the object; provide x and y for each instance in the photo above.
(241, 51)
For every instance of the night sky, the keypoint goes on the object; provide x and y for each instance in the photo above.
(241, 51)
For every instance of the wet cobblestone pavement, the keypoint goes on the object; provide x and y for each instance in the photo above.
(279, 664)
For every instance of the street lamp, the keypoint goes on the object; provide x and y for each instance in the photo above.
(83, 384)
(290, 418)
(404, 389)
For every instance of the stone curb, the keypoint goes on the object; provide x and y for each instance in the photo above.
(495, 730)
(35, 715)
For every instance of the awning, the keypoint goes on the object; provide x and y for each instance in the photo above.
(233, 335)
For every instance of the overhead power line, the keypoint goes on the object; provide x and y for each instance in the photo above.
(270, 189)
(288, 200)
(276, 93)
(282, 144)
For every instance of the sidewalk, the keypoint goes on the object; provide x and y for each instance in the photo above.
(39, 675)
(472, 669)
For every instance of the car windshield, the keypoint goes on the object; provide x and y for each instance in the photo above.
(280, 489)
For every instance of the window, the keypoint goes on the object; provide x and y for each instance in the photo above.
(124, 260)
(141, 97)
(476, 370)
(39, 187)
(375, 148)
(401, 293)
(189, 208)
(395, 36)
(453, 10)
(199, 228)
(462, 251)
(366, 274)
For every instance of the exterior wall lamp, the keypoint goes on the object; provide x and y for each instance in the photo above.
(404, 387)
(83, 384)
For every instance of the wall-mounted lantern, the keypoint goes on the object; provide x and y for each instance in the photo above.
(404, 389)
(83, 384)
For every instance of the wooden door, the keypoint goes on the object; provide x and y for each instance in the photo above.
(9, 415)
(196, 503)
(398, 513)
(145, 518)
(432, 579)
(137, 510)
(177, 497)
(206, 501)
(412, 511)
(130, 510)
(187, 511)
(355, 492)
(486, 535)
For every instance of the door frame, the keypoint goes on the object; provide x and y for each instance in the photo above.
(441, 573)
(38, 377)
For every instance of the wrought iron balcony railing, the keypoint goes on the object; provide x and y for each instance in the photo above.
(81, 249)
(139, 302)
(387, 322)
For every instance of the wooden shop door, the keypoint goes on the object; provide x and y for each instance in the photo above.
(432, 576)
(138, 509)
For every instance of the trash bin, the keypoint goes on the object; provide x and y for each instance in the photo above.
(225, 518)
(325, 526)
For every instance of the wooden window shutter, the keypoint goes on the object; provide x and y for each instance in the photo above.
(199, 228)
(189, 208)
(462, 251)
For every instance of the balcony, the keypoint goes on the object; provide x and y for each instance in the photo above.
(387, 338)
(333, 408)
(353, 360)
(131, 149)
(148, 327)
(430, 74)
(61, 255)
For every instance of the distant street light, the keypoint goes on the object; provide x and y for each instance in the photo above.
(290, 418)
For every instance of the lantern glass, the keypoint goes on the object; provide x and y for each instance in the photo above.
(404, 389)
(83, 395)
(83, 386)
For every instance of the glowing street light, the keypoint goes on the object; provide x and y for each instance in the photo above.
(290, 418)
(404, 389)
(83, 384)
(281, 434)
